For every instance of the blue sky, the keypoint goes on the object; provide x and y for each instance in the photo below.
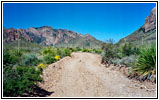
(101, 20)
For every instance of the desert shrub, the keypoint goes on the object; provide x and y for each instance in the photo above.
(135, 50)
(47, 50)
(146, 62)
(90, 50)
(55, 51)
(84, 50)
(67, 52)
(49, 54)
(48, 59)
(109, 53)
(61, 53)
(116, 61)
(7, 59)
(118, 52)
(25, 50)
(30, 60)
(129, 61)
(78, 49)
(72, 49)
(123, 54)
(98, 51)
(41, 66)
(118, 55)
(129, 49)
(11, 56)
(18, 80)
(18, 75)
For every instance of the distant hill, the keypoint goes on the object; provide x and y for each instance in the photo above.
(145, 34)
(46, 35)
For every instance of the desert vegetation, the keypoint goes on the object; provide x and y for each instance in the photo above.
(140, 58)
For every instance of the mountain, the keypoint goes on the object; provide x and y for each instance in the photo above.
(10, 35)
(146, 33)
(46, 35)
(82, 41)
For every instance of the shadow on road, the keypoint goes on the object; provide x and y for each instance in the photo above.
(37, 92)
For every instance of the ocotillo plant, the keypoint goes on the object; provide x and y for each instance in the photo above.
(18, 40)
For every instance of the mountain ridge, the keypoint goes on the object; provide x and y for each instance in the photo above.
(47, 35)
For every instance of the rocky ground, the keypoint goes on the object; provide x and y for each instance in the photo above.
(83, 75)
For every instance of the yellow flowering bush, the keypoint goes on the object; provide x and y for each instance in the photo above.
(41, 66)
(57, 57)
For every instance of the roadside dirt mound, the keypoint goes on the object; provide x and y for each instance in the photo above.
(83, 75)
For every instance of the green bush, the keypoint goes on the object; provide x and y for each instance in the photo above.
(30, 60)
(98, 51)
(135, 50)
(77, 49)
(109, 53)
(146, 62)
(118, 55)
(84, 50)
(72, 49)
(11, 56)
(67, 52)
(48, 50)
(18, 80)
(129, 49)
(129, 61)
(7, 59)
(25, 50)
(116, 61)
(48, 59)
(123, 54)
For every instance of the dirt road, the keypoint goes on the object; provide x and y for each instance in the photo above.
(82, 75)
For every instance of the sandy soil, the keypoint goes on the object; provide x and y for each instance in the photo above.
(82, 75)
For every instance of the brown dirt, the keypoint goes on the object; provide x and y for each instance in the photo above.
(82, 75)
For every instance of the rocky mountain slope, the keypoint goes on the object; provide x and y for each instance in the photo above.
(46, 35)
(146, 33)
